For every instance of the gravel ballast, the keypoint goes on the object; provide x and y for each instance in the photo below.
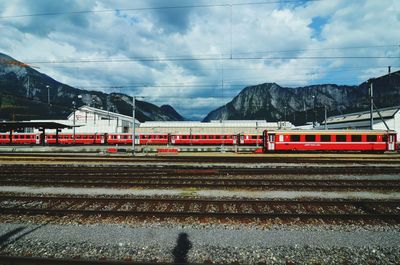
(246, 244)
(202, 193)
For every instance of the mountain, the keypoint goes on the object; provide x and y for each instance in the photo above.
(171, 112)
(24, 95)
(272, 102)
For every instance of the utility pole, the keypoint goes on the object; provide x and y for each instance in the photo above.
(371, 93)
(314, 119)
(73, 105)
(133, 124)
(325, 112)
(284, 121)
(48, 97)
(222, 98)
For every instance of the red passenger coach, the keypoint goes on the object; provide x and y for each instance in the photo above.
(141, 139)
(20, 138)
(251, 139)
(203, 139)
(80, 138)
(330, 140)
(119, 138)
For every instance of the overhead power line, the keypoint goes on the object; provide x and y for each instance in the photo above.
(208, 59)
(81, 12)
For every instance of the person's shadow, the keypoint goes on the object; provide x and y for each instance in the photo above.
(183, 245)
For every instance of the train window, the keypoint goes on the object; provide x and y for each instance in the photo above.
(295, 138)
(203, 137)
(310, 138)
(272, 138)
(223, 136)
(254, 137)
(325, 138)
(384, 138)
(372, 138)
(340, 138)
(356, 138)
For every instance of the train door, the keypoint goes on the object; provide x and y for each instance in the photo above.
(271, 141)
(137, 139)
(103, 138)
(391, 142)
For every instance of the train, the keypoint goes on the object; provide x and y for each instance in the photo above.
(126, 139)
(270, 140)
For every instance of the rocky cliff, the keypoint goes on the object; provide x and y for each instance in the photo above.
(24, 95)
(272, 102)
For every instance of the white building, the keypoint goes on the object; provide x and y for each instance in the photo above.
(361, 120)
(93, 120)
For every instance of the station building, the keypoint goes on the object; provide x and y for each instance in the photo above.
(361, 120)
(93, 120)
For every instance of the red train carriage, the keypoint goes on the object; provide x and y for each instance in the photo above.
(80, 138)
(203, 139)
(330, 140)
(141, 139)
(250, 139)
(20, 138)
(146, 139)
(119, 138)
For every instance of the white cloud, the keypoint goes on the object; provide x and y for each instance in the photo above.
(192, 86)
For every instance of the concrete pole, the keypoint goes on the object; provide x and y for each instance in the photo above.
(48, 96)
(73, 105)
(284, 121)
(371, 92)
(325, 112)
(133, 124)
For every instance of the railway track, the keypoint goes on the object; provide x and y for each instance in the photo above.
(208, 182)
(196, 170)
(202, 208)
(272, 158)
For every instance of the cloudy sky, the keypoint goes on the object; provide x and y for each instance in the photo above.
(197, 55)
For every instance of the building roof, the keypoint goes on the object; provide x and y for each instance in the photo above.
(101, 112)
(211, 124)
(386, 113)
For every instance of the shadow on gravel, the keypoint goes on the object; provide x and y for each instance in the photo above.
(183, 245)
(5, 239)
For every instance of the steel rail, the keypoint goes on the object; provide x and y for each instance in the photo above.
(215, 170)
(208, 183)
(195, 200)
(368, 208)
(186, 159)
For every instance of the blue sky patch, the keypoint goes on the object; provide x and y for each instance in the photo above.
(317, 26)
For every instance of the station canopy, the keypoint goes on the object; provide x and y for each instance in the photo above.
(19, 125)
